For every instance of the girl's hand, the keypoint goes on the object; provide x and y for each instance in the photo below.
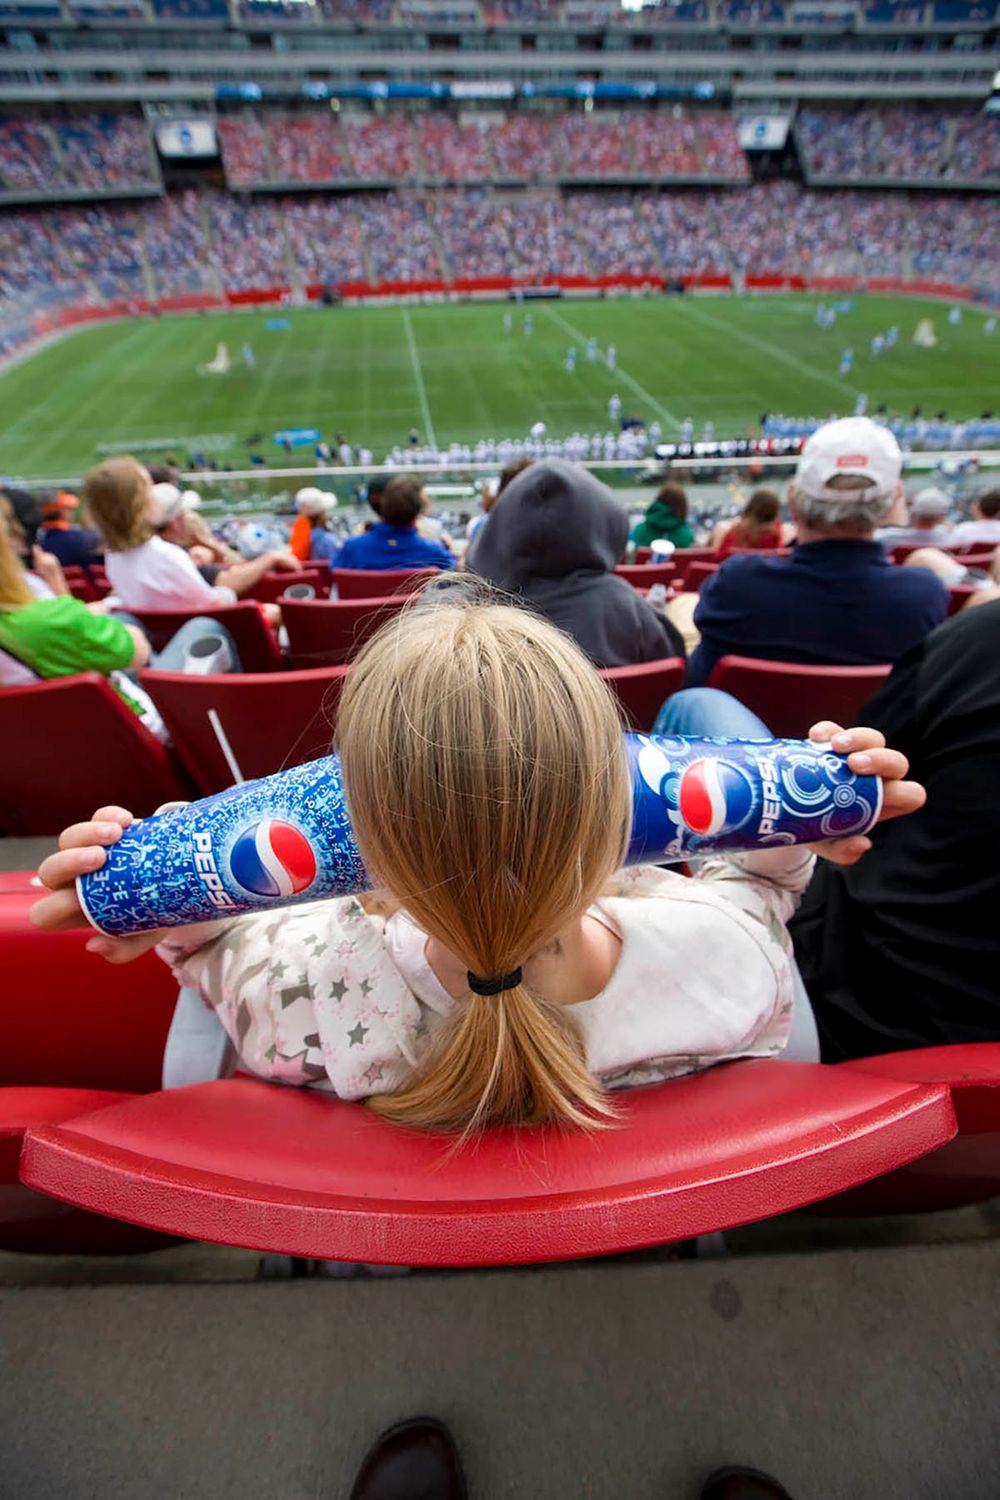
(81, 850)
(867, 755)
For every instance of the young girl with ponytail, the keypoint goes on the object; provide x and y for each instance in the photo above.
(502, 972)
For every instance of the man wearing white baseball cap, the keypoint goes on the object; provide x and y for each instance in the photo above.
(837, 600)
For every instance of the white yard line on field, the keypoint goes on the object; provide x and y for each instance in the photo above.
(773, 351)
(623, 376)
(418, 376)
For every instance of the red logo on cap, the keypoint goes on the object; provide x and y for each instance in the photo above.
(852, 461)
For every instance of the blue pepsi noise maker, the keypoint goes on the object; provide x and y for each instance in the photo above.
(287, 838)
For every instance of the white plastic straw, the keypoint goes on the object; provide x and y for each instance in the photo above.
(226, 748)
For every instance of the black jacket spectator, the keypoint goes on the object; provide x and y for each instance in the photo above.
(903, 949)
(553, 539)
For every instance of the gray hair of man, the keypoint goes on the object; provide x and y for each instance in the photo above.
(857, 513)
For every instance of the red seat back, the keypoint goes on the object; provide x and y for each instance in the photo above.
(696, 574)
(68, 1019)
(255, 640)
(88, 588)
(791, 698)
(983, 559)
(959, 596)
(33, 1222)
(375, 583)
(642, 689)
(329, 632)
(270, 719)
(645, 577)
(965, 1170)
(72, 745)
(270, 588)
(642, 555)
(684, 556)
(295, 1171)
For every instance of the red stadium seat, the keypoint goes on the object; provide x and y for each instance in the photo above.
(255, 640)
(642, 555)
(271, 720)
(959, 596)
(89, 589)
(642, 689)
(105, 1027)
(372, 583)
(791, 698)
(71, 745)
(294, 1171)
(646, 576)
(695, 576)
(273, 586)
(684, 556)
(965, 1170)
(329, 632)
(984, 559)
(34, 1222)
(68, 1019)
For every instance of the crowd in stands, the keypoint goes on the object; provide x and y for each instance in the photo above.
(976, 155)
(318, 147)
(452, 151)
(210, 241)
(903, 142)
(75, 153)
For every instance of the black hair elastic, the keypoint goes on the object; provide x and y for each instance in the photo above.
(493, 986)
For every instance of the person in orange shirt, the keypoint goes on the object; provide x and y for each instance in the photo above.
(310, 540)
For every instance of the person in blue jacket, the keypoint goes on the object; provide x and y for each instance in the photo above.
(838, 600)
(394, 541)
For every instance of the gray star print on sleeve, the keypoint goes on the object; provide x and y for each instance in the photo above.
(357, 1034)
(338, 990)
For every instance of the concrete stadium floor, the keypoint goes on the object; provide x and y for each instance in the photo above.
(855, 1358)
(855, 1375)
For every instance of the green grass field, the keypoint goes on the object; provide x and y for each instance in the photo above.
(451, 372)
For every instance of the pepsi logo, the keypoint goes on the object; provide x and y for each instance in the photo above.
(271, 858)
(714, 797)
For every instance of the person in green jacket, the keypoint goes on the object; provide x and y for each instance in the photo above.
(665, 519)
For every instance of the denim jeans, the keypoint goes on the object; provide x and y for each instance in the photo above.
(705, 713)
(173, 657)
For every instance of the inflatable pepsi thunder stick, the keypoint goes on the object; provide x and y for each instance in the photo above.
(287, 838)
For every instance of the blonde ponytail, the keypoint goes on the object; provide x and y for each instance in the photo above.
(486, 780)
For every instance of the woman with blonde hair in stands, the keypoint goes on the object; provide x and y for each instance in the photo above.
(502, 973)
(145, 572)
(756, 529)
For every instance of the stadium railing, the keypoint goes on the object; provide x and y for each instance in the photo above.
(270, 720)
(791, 698)
(642, 690)
(71, 745)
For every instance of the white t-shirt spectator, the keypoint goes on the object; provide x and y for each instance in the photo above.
(987, 532)
(160, 575)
